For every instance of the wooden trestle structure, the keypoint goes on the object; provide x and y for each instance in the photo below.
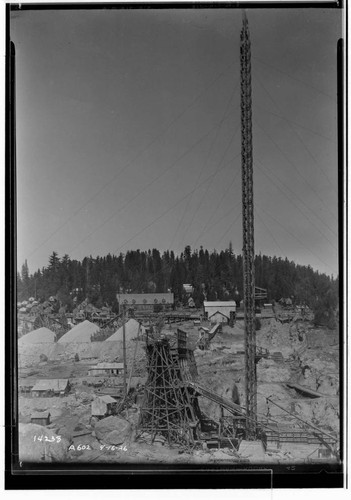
(169, 407)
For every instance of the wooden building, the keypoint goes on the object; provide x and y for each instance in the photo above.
(106, 369)
(51, 387)
(40, 418)
(103, 406)
(25, 386)
(146, 302)
(220, 311)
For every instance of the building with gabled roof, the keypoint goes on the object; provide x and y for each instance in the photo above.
(107, 369)
(51, 387)
(146, 302)
(220, 311)
(103, 406)
(40, 418)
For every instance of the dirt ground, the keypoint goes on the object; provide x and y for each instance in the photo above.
(297, 353)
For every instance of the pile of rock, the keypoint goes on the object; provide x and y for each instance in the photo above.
(113, 430)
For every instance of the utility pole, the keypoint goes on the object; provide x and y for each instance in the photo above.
(248, 230)
(124, 353)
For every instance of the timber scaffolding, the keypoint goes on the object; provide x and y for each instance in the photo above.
(170, 410)
(170, 407)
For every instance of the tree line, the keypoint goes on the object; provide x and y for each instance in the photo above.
(213, 275)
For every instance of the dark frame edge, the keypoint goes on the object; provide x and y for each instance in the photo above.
(205, 478)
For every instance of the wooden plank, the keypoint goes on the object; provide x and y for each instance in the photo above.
(305, 390)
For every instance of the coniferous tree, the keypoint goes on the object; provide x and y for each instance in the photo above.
(214, 275)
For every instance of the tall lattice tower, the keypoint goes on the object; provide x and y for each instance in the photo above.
(248, 229)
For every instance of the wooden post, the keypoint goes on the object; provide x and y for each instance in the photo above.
(124, 352)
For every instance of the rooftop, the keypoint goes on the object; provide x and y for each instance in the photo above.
(40, 414)
(107, 399)
(145, 298)
(107, 366)
(56, 384)
(220, 303)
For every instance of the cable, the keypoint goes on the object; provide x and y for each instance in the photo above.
(217, 207)
(275, 241)
(293, 78)
(295, 237)
(230, 211)
(295, 123)
(298, 172)
(292, 201)
(295, 195)
(155, 179)
(231, 225)
(203, 197)
(292, 128)
(169, 209)
(315, 161)
(205, 163)
(130, 162)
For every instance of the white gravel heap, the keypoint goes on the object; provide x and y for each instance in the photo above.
(80, 333)
(40, 336)
(132, 328)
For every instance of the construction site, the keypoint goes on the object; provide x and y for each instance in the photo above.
(169, 385)
(180, 398)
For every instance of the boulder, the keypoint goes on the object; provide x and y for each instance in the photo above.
(112, 430)
(35, 451)
(328, 385)
(269, 371)
(115, 437)
(65, 433)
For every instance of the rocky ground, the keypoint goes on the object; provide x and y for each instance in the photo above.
(308, 357)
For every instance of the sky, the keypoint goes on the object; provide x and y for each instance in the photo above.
(128, 132)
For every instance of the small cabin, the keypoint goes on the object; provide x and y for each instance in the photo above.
(40, 418)
(106, 369)
(103, 406)
(51, 388)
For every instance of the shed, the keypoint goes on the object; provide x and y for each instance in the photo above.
(107, 369)
(226, 308)
(103, 406)
(40, 418)
(51, 387)
(218, 317)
